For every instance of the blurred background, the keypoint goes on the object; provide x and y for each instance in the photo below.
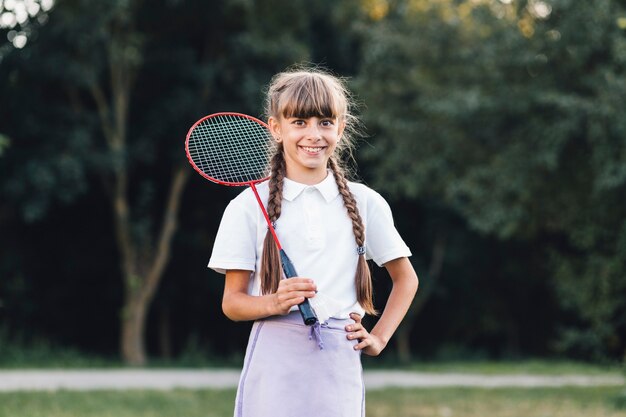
(496, 129)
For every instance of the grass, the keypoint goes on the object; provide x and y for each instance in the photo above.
(521, 366)
(526, 366)
(18, 353)
(448, 402)
(561, 402)
(188, 403)
(45, 356)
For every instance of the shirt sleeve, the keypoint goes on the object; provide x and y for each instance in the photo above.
(383, 242)
(235, 242)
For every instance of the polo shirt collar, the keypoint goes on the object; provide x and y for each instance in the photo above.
(328, 188)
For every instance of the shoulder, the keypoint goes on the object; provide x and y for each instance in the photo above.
(247, 198)
(366, 195)
(245, 205)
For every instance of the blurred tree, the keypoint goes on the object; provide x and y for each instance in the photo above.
(103, 93)
(94, 61)
(403, 334)
(513, 115)
(4, 143)
(504, 116)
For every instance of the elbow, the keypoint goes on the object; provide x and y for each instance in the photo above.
(415, 283)
(229, 309)
(231, 315)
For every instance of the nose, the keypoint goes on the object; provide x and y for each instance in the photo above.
(314, 132)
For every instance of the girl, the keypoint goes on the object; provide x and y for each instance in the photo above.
(328, 226)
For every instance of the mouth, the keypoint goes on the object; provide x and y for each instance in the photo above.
(313, 150)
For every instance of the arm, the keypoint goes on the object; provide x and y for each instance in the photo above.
(238, 305)
(405, 283)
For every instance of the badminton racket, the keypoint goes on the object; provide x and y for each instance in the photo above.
(235, 149)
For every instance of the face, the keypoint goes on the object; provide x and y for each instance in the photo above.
(307, 145)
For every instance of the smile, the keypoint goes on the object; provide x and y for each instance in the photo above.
(313, 149)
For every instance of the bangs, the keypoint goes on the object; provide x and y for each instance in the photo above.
(311, 97)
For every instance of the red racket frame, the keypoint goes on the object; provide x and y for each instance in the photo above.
(251, 184)
(308, 314)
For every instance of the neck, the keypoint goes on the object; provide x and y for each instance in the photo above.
(308, 177)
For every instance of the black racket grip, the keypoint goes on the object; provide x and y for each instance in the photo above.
(308, 315)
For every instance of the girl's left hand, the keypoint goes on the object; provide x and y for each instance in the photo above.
(370, 344)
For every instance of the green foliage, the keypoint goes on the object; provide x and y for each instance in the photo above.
(483, 116)
(85, 46)
(517, 123)
(4, 143)
(19, 351)
(63, 102)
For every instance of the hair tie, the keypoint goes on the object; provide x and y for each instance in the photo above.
(273, 226)
(360, 250)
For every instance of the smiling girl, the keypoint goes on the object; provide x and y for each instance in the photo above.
(330, 227)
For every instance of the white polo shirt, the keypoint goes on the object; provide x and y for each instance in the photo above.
(316, 233)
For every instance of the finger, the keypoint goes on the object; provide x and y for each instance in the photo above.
(296, 280)
(361, 334)
(356, 317)
(296, 300)
(307, 285)
(300, 287)
(362, 344)
(354, 327)
(307, 294)
(293, 298)
(286, 294)
(287, 305)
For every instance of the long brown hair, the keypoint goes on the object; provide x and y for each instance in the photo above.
(305, 93)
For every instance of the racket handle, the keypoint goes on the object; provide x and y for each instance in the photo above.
(308, 315)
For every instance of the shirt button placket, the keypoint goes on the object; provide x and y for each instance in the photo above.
(312, 217)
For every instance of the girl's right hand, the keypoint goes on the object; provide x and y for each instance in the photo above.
(291, 292)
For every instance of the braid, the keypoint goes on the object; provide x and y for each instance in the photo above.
(278, 171)
(363, 277)
(349, 202)
(305, 92)
(270, 261)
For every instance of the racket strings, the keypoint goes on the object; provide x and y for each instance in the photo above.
(231, 149)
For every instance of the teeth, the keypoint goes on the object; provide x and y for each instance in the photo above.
(314, 150)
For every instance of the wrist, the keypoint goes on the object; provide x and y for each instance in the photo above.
(381, 338)
(271, 308)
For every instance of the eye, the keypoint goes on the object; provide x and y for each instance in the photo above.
(298, 122)
(327, 122)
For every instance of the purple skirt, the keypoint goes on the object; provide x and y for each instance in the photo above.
(295, 370)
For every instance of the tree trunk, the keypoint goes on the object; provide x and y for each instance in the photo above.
(403, 334)
(403, 342)
(142, 266)
(140, 289)
(133, 331)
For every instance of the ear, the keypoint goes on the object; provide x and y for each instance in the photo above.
(274, 125)
(342, 126)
